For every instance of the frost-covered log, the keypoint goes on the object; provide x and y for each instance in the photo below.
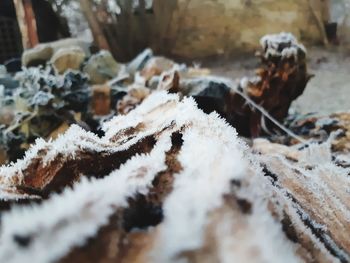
(167, 183)
(281, 78)
(311, 184)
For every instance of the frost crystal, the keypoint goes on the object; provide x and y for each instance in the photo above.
(169, 183)
(281, 45)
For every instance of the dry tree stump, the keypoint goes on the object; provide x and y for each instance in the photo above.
(169, 183)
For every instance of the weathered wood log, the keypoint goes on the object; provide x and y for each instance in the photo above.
(316, 188)
(27, 23)
(281, 78)
(99, 37)
(169, 183)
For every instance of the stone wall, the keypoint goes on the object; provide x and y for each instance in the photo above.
(200, 28)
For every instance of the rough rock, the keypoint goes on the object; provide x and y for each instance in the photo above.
(37, 56)
(101, 67)
(68, 59)
(42, 53)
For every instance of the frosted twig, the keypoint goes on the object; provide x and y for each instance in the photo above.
(266, 114)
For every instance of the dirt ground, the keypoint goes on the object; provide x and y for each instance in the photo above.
(327, 92)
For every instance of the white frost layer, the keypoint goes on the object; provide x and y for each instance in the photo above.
(322, 190)
(211, 157)
(254, 238)
(270, 44)
(143, 114)
(70, 218)
(67, 220)
(199, 187)
(75, 139)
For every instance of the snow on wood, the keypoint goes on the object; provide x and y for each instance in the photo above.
(75, 215)
(201, 186)
(281, 45)
(194, 192)
(27, 23)
(316, 188)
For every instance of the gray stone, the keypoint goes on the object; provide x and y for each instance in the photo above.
(44, 52)
(68, 58)
(101, 67)
(36, 56)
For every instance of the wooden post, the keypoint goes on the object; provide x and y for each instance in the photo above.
(319, 20)
(325, 11)
(26, 22)
(96, 30)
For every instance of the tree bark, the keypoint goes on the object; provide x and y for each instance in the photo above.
(27, 23)
(97, 33)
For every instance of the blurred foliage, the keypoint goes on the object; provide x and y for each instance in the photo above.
(41, 103)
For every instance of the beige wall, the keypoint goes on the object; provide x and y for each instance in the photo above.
(341, 14)
(201, 28)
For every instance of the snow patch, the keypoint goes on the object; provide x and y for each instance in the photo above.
(283, 45)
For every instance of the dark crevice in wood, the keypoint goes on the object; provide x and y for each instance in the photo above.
(273, 177)
(319, 232)
(42, 180)
(129, 226)
(141, 214)
(289, 229)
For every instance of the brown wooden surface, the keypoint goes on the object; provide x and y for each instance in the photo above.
(97, 33)
(27, 23)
